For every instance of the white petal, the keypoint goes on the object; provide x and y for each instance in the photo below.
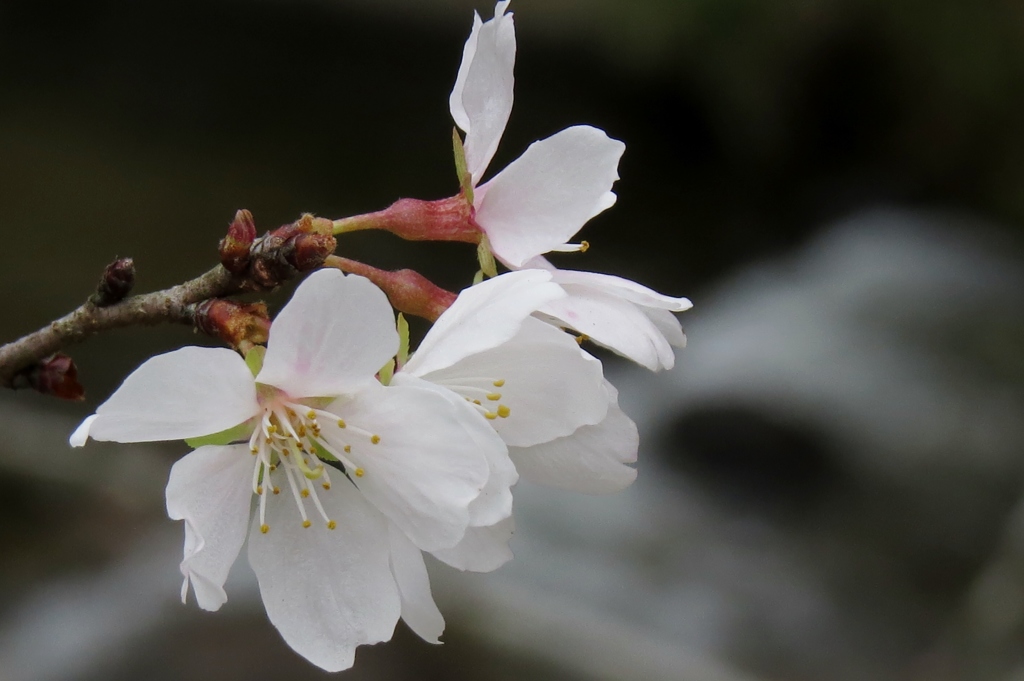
(327, 591)
(546, 195)
(426, 468)
(418, 608)
(619, 287)
(592, 460)
(550, 386)
(334, 335)
(481, 100)
(211, 490)
(186, 393)
(614, 323)
(668, 325)
(482, 317)
(483, 549)
(494, 502)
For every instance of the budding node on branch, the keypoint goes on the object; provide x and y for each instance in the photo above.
(56, 375)
(237, 324)
(116, 283)
(296, 248)
(234, 248)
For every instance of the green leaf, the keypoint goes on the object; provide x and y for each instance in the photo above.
(224, 437)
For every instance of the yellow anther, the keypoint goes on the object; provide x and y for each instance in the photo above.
(476, 402)
(271, 429)
(491, 415)
(304, 493)
(285, 453)
(348, 449)
(277, 490)
(311, 415)
(327, 485)
(503, 411)
(331, 524)
(301, 430)
(494, 397)
(273, 467)
(259, 489)
(341, 423)
(584, 246)
(255, 451)
(307, 523)
(264, 528)
(359, 472)
(500, 382)
(375, 439)
(581, 338)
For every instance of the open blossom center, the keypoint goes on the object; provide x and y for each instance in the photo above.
(290, 452)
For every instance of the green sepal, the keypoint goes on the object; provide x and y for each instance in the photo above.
(465, 179)
(387, 372)
(322, 453)
(478, 277)
(486, 258)
(224, 437)
(254, 359)
(403, 341)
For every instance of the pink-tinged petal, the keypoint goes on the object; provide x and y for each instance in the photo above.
(483, 549)
(481, 100)
(333, 336)
(186, 393)
(327, 591)
(425, 469)
(494, 502)
(612, 285)
(551, 387)
(592, 460)
(211, 490)
(419, 611)
(615, 323)
(546, 195)
(482, 317)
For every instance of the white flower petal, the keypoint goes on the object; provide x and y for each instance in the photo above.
(614, 323)
(186, 393)
(546, 195)
(481, 100)
(550, 386)
(482, 317)
(668, 325)
(483, 549)
(592, 460)
(419, 611)
(494, 502)
(327, 591)
(211, 490)
(617, 286)
(334, 335)
(425, 470)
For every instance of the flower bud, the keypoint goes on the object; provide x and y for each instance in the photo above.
(56, 375)
(116, 282)
(234, 323)
(234, 248)
(306, 252)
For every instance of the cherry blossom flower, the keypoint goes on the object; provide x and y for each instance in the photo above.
(542, 394)
(543, 198)
(540, 200)
(352, 479)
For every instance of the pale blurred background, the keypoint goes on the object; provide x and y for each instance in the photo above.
(830, 480)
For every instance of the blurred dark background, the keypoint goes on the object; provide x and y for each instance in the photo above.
(830, 476)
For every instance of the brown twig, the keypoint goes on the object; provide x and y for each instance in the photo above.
(174, 305)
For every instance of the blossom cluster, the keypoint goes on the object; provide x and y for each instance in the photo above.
(340, 457)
